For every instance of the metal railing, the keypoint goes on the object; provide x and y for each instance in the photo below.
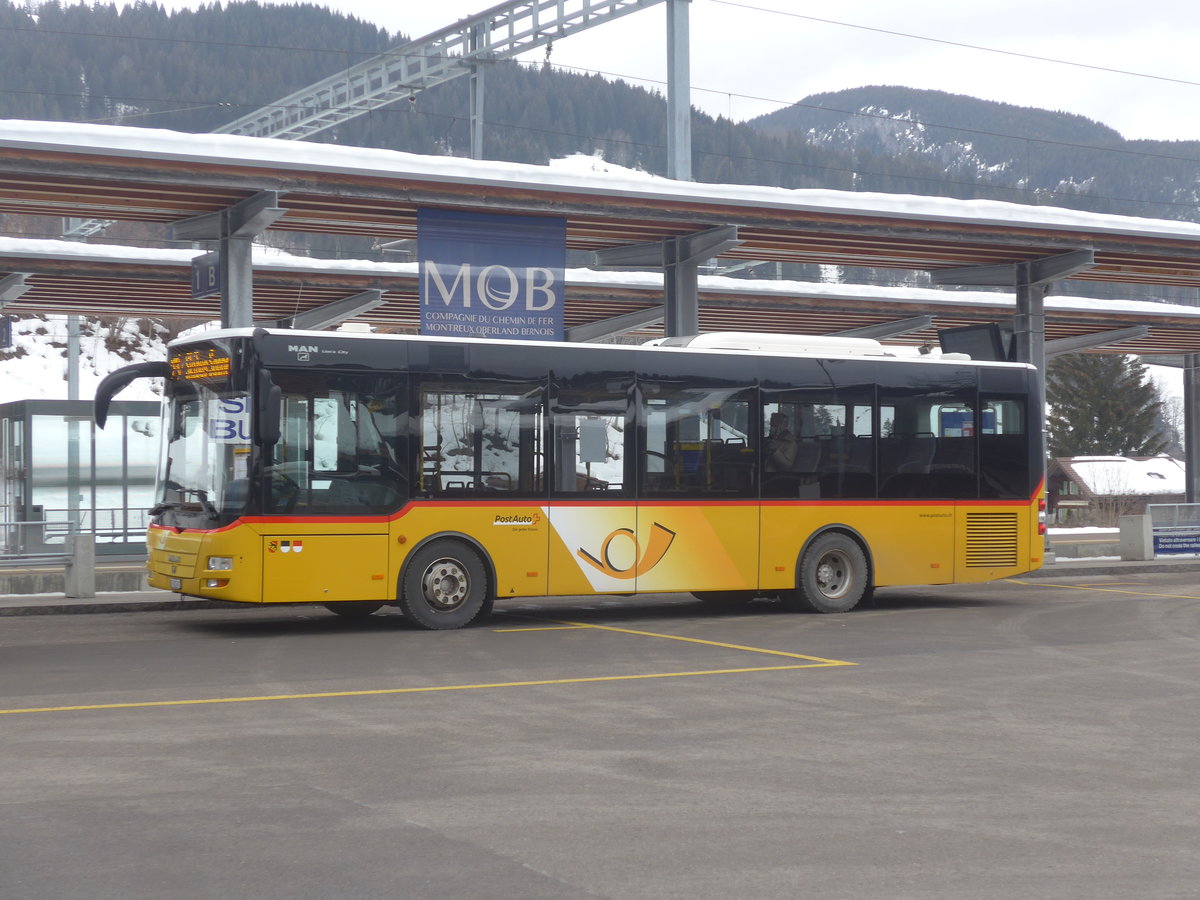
(1174, 527)
(45, 539)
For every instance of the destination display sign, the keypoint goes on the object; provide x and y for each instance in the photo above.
(200, 365)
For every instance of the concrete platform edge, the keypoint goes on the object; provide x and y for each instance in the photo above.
(137, 601)
(1073, 568)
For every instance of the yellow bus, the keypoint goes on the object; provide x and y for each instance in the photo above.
(441, 475)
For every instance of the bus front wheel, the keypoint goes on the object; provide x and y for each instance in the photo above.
(833, 574)
(445, 586)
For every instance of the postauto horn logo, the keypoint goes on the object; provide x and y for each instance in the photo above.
(660, 541)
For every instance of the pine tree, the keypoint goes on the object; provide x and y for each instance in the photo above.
(1102, 405)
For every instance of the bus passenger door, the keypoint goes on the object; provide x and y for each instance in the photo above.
(698, 519)
(482, 473)
(593, 542)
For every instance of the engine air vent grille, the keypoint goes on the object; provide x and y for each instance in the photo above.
(991, 540)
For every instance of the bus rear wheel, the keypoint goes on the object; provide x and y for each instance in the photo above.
(445, 586)
(833, 576)
(353, 609)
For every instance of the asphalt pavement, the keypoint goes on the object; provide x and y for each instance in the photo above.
(149, 600)
(1033, 737)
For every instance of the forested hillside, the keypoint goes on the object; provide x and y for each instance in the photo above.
(194, 70)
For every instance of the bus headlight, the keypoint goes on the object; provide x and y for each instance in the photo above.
(220, 563)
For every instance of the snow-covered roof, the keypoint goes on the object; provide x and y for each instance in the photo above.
(1117, 476)
(578, 174)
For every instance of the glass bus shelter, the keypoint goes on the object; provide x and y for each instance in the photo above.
(62, 475)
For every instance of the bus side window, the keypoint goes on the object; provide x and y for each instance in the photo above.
(591, 435)
(340, 441)
(928, 432)
(818, 443)
(1004, 464)
(699, 440)
(480, 438)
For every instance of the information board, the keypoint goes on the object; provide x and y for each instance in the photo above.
(486, 275)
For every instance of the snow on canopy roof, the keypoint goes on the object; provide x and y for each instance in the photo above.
(579, 173)
(268, 258)
(1108, 476)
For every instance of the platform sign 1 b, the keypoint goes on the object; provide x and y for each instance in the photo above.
(206, 275)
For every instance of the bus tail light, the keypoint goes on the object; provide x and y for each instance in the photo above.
(1041, 517)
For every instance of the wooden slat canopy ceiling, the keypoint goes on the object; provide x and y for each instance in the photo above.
(127, 288)
(160, 184)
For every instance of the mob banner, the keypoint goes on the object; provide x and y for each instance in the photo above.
(486, 275)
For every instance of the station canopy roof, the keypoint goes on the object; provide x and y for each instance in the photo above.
(161, 177)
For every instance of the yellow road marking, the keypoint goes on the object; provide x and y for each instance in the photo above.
(1106, 590)
(378, 692)
(676, 637)
(811, 662)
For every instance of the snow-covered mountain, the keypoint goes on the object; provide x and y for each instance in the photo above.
(971, 147)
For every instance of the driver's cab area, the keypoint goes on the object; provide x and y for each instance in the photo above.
(339, 446)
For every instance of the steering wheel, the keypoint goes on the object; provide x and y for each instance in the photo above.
(284, 492)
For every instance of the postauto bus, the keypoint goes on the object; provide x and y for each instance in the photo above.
(441, 475)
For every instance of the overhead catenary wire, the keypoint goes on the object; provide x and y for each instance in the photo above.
(962, 44)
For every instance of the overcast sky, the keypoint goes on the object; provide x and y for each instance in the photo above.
(746, 49)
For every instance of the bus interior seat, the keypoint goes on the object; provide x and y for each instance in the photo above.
(808, 456)
(911, 453)
(954, 455)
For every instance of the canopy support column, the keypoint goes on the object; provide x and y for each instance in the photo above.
(1032, 281)
(234, 229)
(329, 314)
(888, 329)
(1191, 426)
(13, 286)
(614, 325)
(678, 258)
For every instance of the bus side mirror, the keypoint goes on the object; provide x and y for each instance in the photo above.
(114, 382)
(267, 402)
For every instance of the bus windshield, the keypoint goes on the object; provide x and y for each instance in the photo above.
(206, 453)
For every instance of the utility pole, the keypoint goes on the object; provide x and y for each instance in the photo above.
(679, 92)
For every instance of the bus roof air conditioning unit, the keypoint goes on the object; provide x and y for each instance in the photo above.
(821, 345)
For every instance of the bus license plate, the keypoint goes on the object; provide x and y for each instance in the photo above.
(176, 584)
